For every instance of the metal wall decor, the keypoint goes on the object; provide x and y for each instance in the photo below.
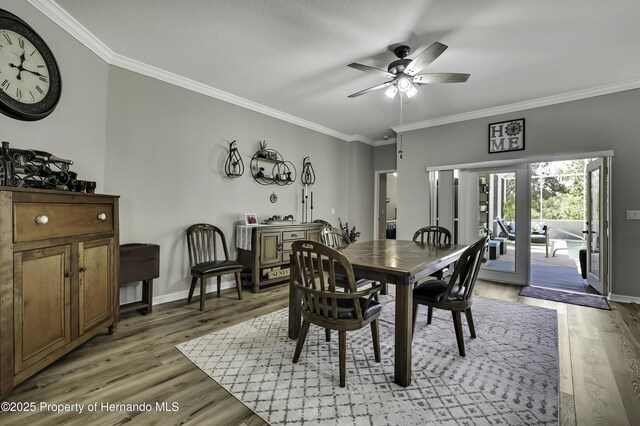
(233, 165)
(308, 175)
(269, 168)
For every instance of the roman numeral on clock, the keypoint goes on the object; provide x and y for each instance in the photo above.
(21, 43)
(18, 93)
(6, 36)
(5, 84)
(39, 90)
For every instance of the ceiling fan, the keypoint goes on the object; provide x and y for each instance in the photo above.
(403, 72)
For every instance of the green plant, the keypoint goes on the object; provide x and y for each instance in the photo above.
(351, 233)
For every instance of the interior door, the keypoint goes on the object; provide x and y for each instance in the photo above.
(382, 206)
(596, 225)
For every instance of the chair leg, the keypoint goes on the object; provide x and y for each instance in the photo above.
(415, 317)
(457, 324)
(375, 336)
(194, 281)
(239, 285)
(301, 339)
(327, 334)
(343, 357)
(429, 314)
(384, 290)
(219, 279)
(472, 328)
(203, 292)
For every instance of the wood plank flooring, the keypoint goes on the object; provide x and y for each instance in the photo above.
(599, 365)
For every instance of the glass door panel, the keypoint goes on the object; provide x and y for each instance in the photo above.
(595, 226)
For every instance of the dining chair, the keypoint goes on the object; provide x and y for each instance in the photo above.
(206, 259)
(338, 239)
(327, 304)
(334, 237)
(434, 235)
(454, 295)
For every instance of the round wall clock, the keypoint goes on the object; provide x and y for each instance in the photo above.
(29, 77)
(273, 198)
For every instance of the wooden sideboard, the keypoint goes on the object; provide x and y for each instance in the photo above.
(266, 261)
(59, 268)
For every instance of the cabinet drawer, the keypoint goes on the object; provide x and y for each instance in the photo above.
(286, 247)
(293, 235)
(60, 220)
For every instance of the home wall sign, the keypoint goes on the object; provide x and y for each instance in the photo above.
(506, 136)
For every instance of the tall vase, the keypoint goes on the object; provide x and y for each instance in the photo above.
(7, 167)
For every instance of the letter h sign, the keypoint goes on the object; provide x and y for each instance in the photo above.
(506, 136)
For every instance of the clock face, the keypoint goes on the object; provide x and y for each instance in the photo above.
(23, 72)
(29, 77)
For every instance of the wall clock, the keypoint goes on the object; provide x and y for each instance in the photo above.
(29, 77)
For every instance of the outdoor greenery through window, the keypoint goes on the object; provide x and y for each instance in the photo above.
(557, 191)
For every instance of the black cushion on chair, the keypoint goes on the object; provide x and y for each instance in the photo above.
(434, 290)
(215, 266)
(347, 311)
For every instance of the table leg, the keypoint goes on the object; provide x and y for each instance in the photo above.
(404, 317)
(294, 304)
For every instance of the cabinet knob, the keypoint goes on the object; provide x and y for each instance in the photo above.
(102, 217)
(82, 269)
(42, 220)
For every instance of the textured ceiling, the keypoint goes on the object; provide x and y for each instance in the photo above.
(292, 55)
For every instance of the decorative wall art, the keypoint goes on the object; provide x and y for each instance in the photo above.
(506, 136)
(233, 165)
(250, 219)
(269, 168)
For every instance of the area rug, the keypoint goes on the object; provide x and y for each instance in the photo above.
(587, 300)
(509, 375)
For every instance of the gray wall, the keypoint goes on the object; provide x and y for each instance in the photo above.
(594, 124)
(76, 128)
(165, 158)
(384, 157)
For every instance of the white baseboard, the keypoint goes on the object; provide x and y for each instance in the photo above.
(623, 299)
(211, 287)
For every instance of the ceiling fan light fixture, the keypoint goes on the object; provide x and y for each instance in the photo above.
(391, 91)
(411, 92)
(404, 84)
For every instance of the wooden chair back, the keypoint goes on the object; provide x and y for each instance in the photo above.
(202, 242)
(334, 238)
(432, 235)
(317, 268)
(466, 271)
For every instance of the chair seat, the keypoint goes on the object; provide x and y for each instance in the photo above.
(434, 290)
(346, 310)
(341, 281)
(215, 266)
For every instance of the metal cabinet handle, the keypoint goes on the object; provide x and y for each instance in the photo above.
(42, 220)
(82, 269)
(294, 235)
(102, 217)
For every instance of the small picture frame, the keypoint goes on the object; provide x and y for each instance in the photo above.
(250, 219)
(506, 136)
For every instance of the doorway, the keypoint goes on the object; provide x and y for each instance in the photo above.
(527, 230)
(386, 200)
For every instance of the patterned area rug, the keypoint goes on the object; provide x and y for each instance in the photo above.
(509, 376)
(591, 301)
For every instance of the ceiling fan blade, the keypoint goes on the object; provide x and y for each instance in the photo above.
(440, 78)
(371, 89)
(367, 68)
(425, 57)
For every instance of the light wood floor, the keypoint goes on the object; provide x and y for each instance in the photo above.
(599, 365)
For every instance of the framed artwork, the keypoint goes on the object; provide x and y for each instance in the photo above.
(250, 219)
(506, 136)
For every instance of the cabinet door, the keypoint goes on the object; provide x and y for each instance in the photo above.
(42, 308)
(270, 247)
(96, 285)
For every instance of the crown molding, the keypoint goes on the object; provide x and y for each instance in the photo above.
(68, 23)
(520, 106)
(381, 142)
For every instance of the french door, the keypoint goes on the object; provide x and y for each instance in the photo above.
(495, 202)
(596, 229)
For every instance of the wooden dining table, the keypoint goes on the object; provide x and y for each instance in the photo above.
(397, 262)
